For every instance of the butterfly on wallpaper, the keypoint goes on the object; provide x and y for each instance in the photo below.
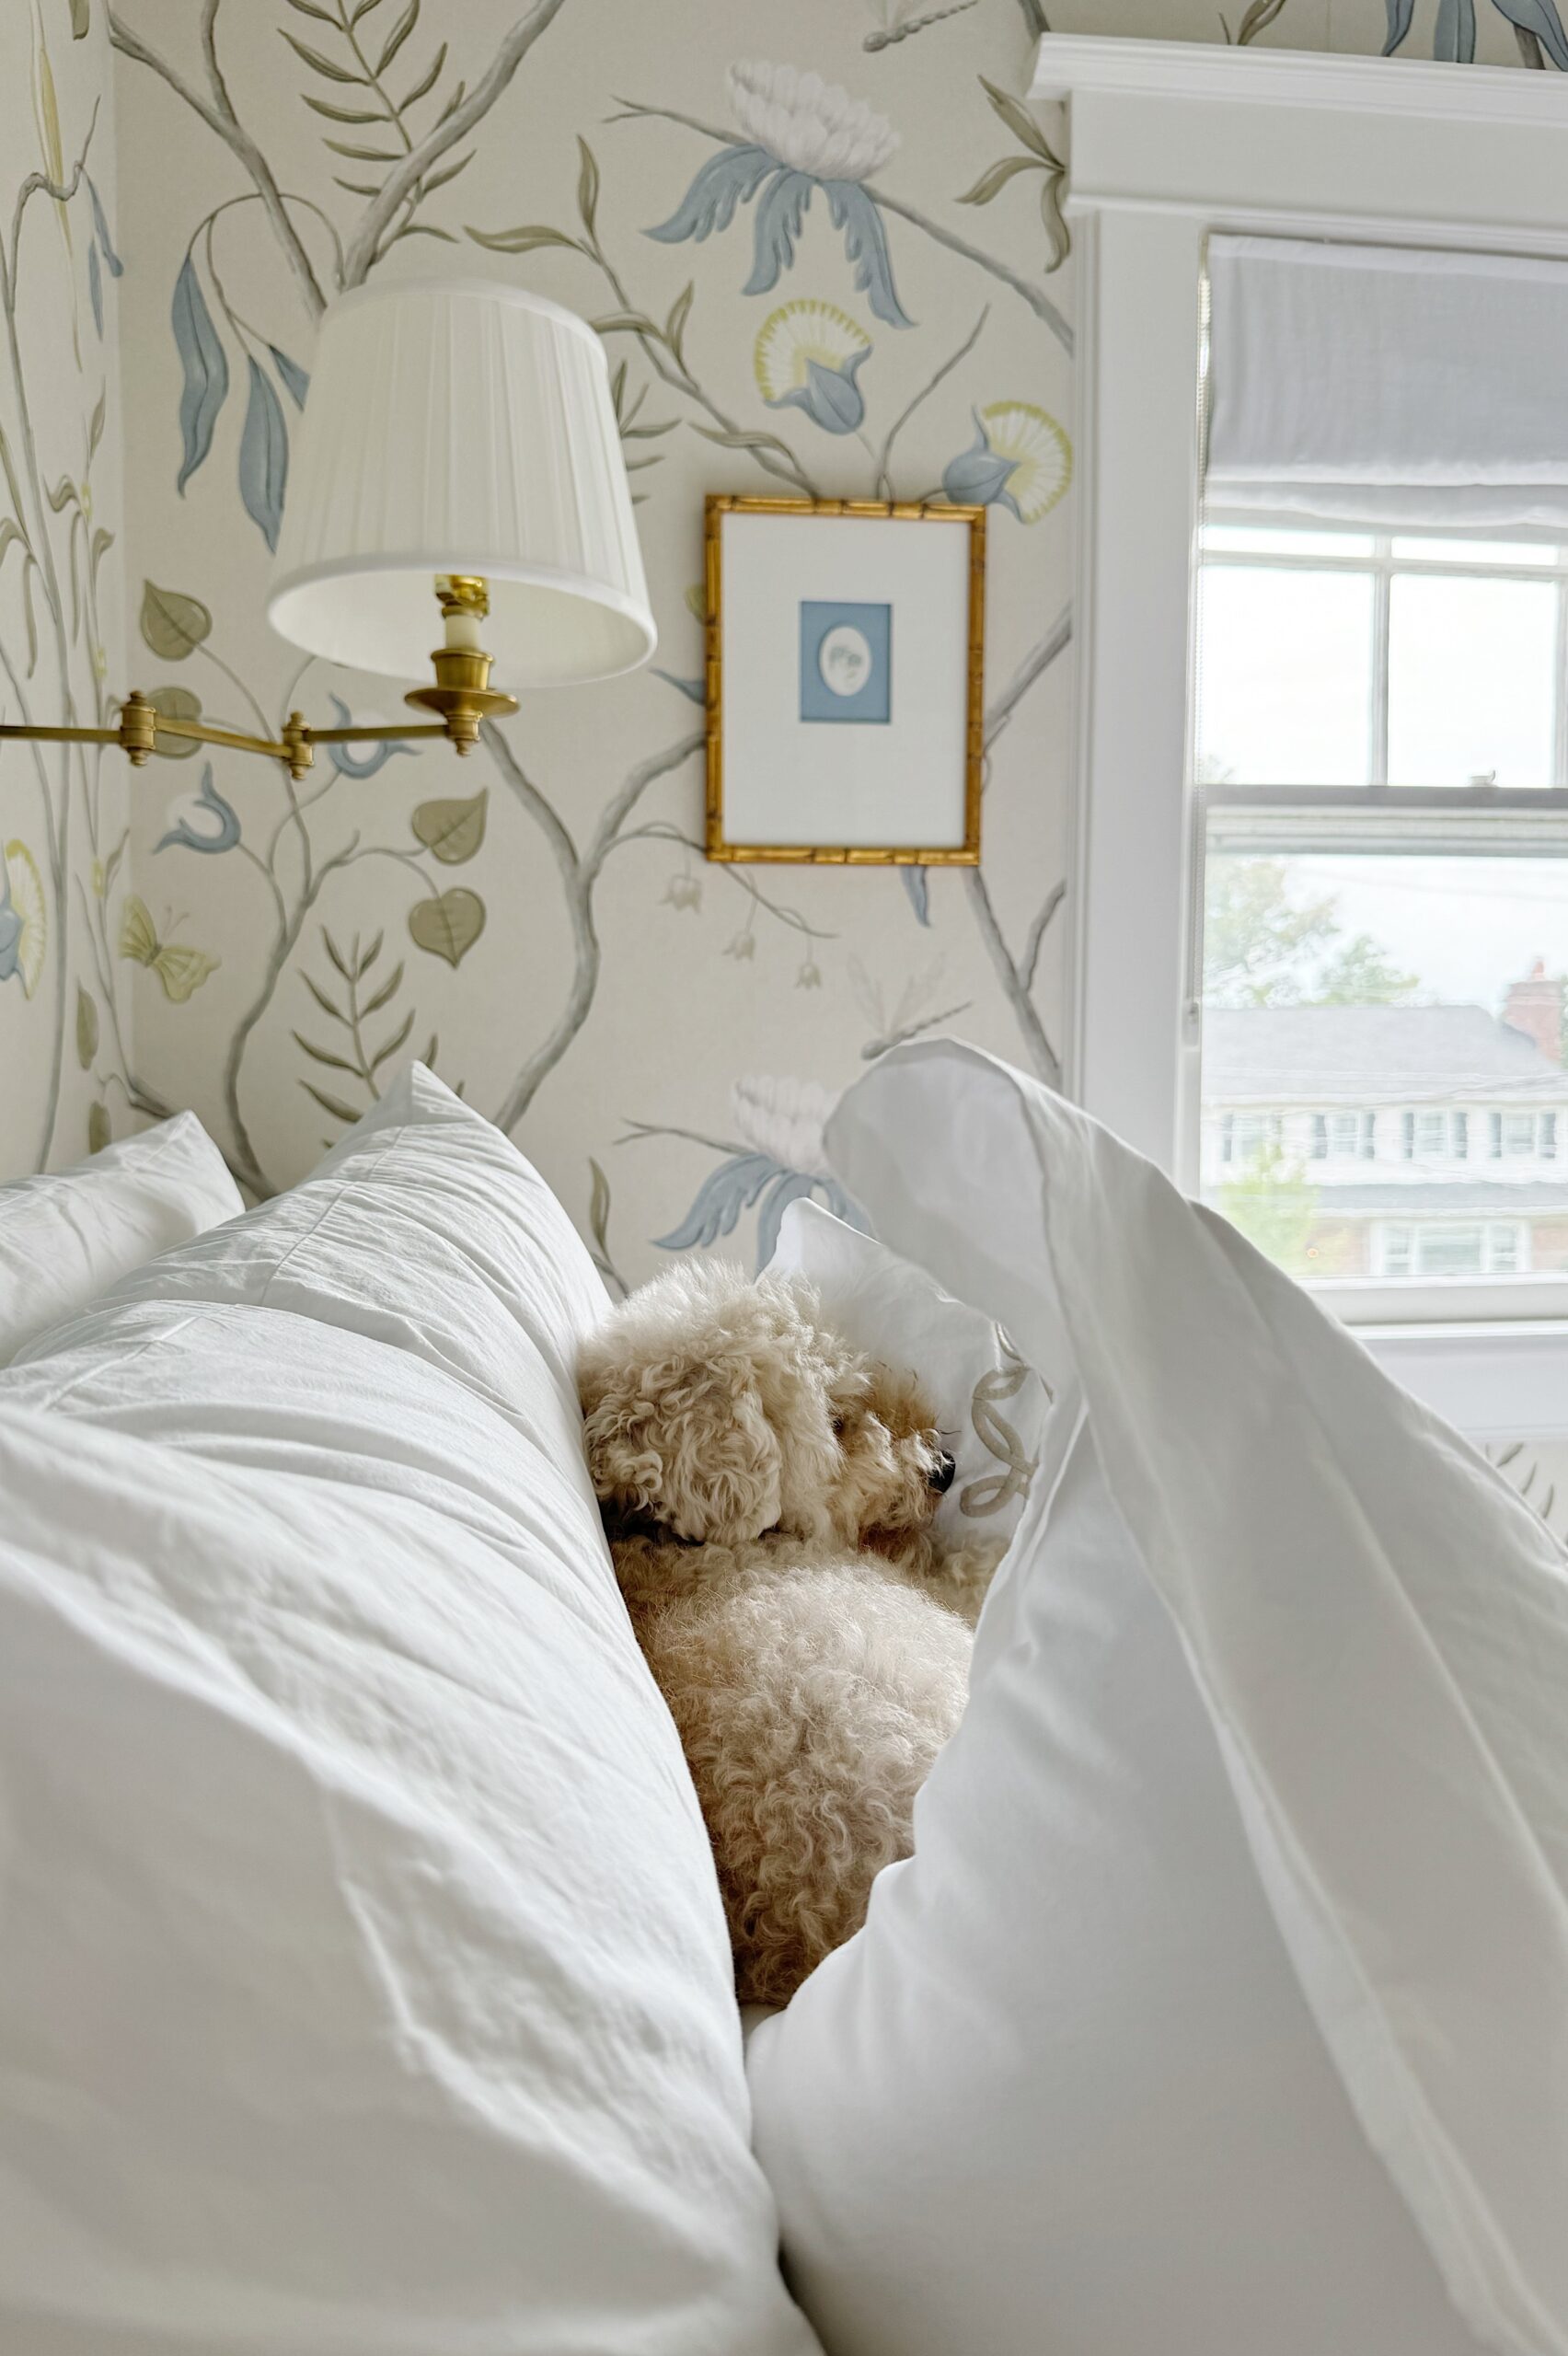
(179, 969)
(901, 19)
(905, 1018)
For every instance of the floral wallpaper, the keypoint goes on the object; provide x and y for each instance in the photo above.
(824, 246)
(825, 251)
(64, 1001)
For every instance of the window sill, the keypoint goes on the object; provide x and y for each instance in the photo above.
(1494, 1380)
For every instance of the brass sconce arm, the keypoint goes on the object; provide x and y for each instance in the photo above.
(462, 696)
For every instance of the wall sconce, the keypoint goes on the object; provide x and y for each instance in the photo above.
(460, 438)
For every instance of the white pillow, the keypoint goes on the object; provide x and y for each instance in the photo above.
(1265, 1770)
(65, 1237)
(991, 1407)
(363, 1982)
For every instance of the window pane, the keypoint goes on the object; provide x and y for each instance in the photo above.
(1533, 553)
(1385, 1038)
(1450, 1251)
(1249, 539)
(1284, 676)
(1473, 667)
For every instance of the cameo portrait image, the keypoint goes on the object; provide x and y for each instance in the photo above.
(846, 667)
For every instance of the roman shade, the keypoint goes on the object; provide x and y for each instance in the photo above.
(1388, 386)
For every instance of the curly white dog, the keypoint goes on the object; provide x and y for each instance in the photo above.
(768, 1493)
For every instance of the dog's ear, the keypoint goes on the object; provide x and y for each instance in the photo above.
(685, 1440)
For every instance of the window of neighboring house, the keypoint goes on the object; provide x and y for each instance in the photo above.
(1247, 1137)
(1381, 744)
(1512, 1135)
(1450, 1248)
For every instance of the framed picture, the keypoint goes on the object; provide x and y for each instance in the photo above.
(846, 673)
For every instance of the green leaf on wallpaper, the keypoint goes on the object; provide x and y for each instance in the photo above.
(587, 184)
(426, 82)
(599, 1207)
(627, 323)
(318, 63)
(176, 703)
(28, 612)
(95, 423)
(991, 183)
(87, 1028)
(447, 927)
(309, 9)
(363, 154)
(388, 989)
(173, 625)
(11, 535)
(433, 180)
(1019, 121)
(324, 1056)
(99, 1134)
(342, 114)
(526, 240)
(675, 326)
(398, 35)
(452, 830)
(745, 441)
(328, 1006)
(333, 1104)
(81, 19)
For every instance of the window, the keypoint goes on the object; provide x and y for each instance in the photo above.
(1449, 1248)
(1381, 744)
(1513, 1133)
(1250, 1136)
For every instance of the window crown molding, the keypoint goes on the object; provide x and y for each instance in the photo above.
(1070, 65)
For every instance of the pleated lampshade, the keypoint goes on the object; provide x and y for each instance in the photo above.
(461, 426)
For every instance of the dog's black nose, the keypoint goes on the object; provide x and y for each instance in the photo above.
(940, 1477)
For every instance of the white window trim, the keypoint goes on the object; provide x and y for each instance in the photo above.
(1166, 146)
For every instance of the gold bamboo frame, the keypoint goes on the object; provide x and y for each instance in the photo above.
(721, 503)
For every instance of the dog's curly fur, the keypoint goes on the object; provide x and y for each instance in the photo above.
(769, 1496)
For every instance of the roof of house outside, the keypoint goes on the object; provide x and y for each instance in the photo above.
(1372, 1055)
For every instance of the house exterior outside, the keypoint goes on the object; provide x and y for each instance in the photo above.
(1396, 1141)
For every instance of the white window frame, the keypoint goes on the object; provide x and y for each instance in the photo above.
(1168, 144)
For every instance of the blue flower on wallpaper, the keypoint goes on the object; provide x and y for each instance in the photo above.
(365, 764)
(803, 134)
(779, 1157)
(101, 242)
(1019, 459)
(807, 356)
(1454, 35)
(735, 1185)
(193, 814)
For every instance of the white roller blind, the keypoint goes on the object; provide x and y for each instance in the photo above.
(1387, 386)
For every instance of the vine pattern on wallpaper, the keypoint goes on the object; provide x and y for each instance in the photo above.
(797, 143)
(799, 160)
(52, 544)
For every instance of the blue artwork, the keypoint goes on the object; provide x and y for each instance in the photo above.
(845, 661)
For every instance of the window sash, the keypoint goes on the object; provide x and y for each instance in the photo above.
(1382, 565)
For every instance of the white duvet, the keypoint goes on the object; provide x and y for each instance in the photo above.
(364, 1986)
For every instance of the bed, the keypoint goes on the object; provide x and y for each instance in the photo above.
(363, 1985)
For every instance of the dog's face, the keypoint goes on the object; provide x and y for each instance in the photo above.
(721, 1409)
